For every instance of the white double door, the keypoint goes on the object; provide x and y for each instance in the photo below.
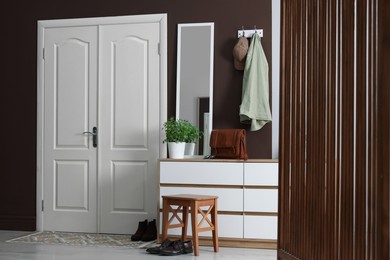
(103, 79)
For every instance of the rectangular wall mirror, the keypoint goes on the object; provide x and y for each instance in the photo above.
(194, 82)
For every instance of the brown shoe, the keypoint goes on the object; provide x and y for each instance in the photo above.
(151, 232)
(178, 247)
(142, 226)
(157, 249)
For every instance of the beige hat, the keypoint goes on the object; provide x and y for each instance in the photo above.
(239, 53)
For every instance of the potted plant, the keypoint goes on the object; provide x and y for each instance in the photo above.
(193, 135)
(176, 136)
(181, 137)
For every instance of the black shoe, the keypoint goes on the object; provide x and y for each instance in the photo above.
(142, 226)
(157, 249)
(151, 232)
(178, 247)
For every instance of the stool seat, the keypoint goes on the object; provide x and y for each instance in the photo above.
(190, 197)
(193, 202)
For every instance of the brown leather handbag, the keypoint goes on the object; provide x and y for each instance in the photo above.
(228, 144)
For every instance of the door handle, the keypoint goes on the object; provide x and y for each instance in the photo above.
(94, 136)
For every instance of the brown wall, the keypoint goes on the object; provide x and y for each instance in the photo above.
(19, 90)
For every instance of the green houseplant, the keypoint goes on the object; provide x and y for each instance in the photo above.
(175, 135)
(175, 130)
(193, 135)
(178, 132)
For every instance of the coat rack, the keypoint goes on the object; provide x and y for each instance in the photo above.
(249, 33)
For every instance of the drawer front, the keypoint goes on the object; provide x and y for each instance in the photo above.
(228, 199)
(261, 200)
(202, 173)
(229, 226)
(263, 174)
(261, 227)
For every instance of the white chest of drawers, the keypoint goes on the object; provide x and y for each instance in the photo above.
(247, 191)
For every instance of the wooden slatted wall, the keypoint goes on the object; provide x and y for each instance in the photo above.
(331, 137)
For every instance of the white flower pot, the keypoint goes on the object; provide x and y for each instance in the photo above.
(176, 150)
(190, 149)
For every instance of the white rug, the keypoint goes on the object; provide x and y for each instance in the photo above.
(81, 239)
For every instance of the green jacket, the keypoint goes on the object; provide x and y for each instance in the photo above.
(254, 109)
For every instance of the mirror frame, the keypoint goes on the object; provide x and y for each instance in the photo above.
(206, 136)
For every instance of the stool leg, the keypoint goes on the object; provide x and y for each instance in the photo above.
(165, 219)
(194, 222)
(185, 223)
(214, 220)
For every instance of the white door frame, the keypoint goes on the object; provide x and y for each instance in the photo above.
(42, 25)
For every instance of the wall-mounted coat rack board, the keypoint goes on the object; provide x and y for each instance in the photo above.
(249, 33)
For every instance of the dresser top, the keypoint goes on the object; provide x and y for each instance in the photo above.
(200, 159)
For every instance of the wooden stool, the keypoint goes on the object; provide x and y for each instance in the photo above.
(183, 201)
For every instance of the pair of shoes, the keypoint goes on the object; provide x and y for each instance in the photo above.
(170, 248)
(146, 231)
(157, 249)
(177, 247)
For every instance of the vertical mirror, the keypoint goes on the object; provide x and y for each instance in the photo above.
(194, 82)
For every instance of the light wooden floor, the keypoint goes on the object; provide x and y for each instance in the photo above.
(19, 251)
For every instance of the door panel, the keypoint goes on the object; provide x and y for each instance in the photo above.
(70, 109)
(129, 118)
(130, 92)
(71, 65)
(128, 176)
(71, 176)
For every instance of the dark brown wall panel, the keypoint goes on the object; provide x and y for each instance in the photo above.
(18, 78)
(384, 119)
(334, 138)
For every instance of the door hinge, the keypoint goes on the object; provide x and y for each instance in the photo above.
(159, 48)
(43, 53)
(43, 206)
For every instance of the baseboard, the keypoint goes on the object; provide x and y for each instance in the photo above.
(286, 256)
(235, 242)
(21, 223)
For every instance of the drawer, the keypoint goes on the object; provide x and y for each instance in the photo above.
(261, 227)
(228, 199)
(202, 173)
(260, 200)
(229, 226)
(262, 174)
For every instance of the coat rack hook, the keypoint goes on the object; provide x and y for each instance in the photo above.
(249, 33)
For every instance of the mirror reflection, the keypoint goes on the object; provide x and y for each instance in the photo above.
(195, 65)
